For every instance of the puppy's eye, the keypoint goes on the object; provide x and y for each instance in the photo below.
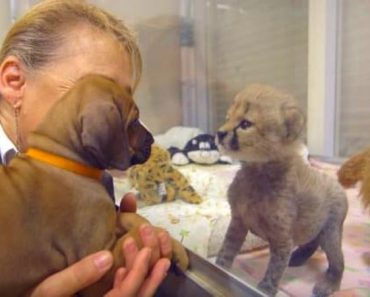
(245, 124)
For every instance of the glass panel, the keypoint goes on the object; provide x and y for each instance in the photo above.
(197, 55)
(157, 25)
(353, 119)
(255, 41)
(5, 19)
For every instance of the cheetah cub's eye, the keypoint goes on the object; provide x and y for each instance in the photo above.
(245, 124)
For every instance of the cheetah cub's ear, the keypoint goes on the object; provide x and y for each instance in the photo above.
(293, 120)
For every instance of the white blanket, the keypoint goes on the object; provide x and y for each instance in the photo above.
(201, 228)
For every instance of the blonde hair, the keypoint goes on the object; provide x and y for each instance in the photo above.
(35, 38)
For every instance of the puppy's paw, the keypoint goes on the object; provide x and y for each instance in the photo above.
(129, 224)
(268, 288)
(127, 221)
(180, 256)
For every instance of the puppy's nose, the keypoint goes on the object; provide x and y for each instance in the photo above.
(149, 139)
(221, 135)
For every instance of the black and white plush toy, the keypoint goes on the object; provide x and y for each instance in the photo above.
(201, 149)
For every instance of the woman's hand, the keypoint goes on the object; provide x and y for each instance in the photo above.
(157, 239)
(129, 281)
(75, 277)
(136, 279)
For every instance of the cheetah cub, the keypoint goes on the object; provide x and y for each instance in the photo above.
(276, 194)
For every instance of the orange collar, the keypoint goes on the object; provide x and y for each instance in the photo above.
(64, 163)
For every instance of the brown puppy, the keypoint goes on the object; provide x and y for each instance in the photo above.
(276, 194)
(357, 169)
(51, 217)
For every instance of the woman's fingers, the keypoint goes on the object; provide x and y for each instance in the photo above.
(130, 252)
(133, 280)
(119, 276)
(165, 244)
(150, 240)
(157, 275)
(76, 277)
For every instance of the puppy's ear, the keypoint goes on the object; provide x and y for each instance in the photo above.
(293, 121)
(103, 135)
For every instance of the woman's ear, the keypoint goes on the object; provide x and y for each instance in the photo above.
(12, 80)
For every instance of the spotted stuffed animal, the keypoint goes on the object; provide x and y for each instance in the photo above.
(158, 181)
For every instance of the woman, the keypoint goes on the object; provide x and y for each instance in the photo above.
(44, 53)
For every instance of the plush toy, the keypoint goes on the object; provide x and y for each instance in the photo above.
(157, 180)
(356, 169)
(201, 149)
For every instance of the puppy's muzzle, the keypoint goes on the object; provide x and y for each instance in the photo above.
(143, 155)
(142, 144)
